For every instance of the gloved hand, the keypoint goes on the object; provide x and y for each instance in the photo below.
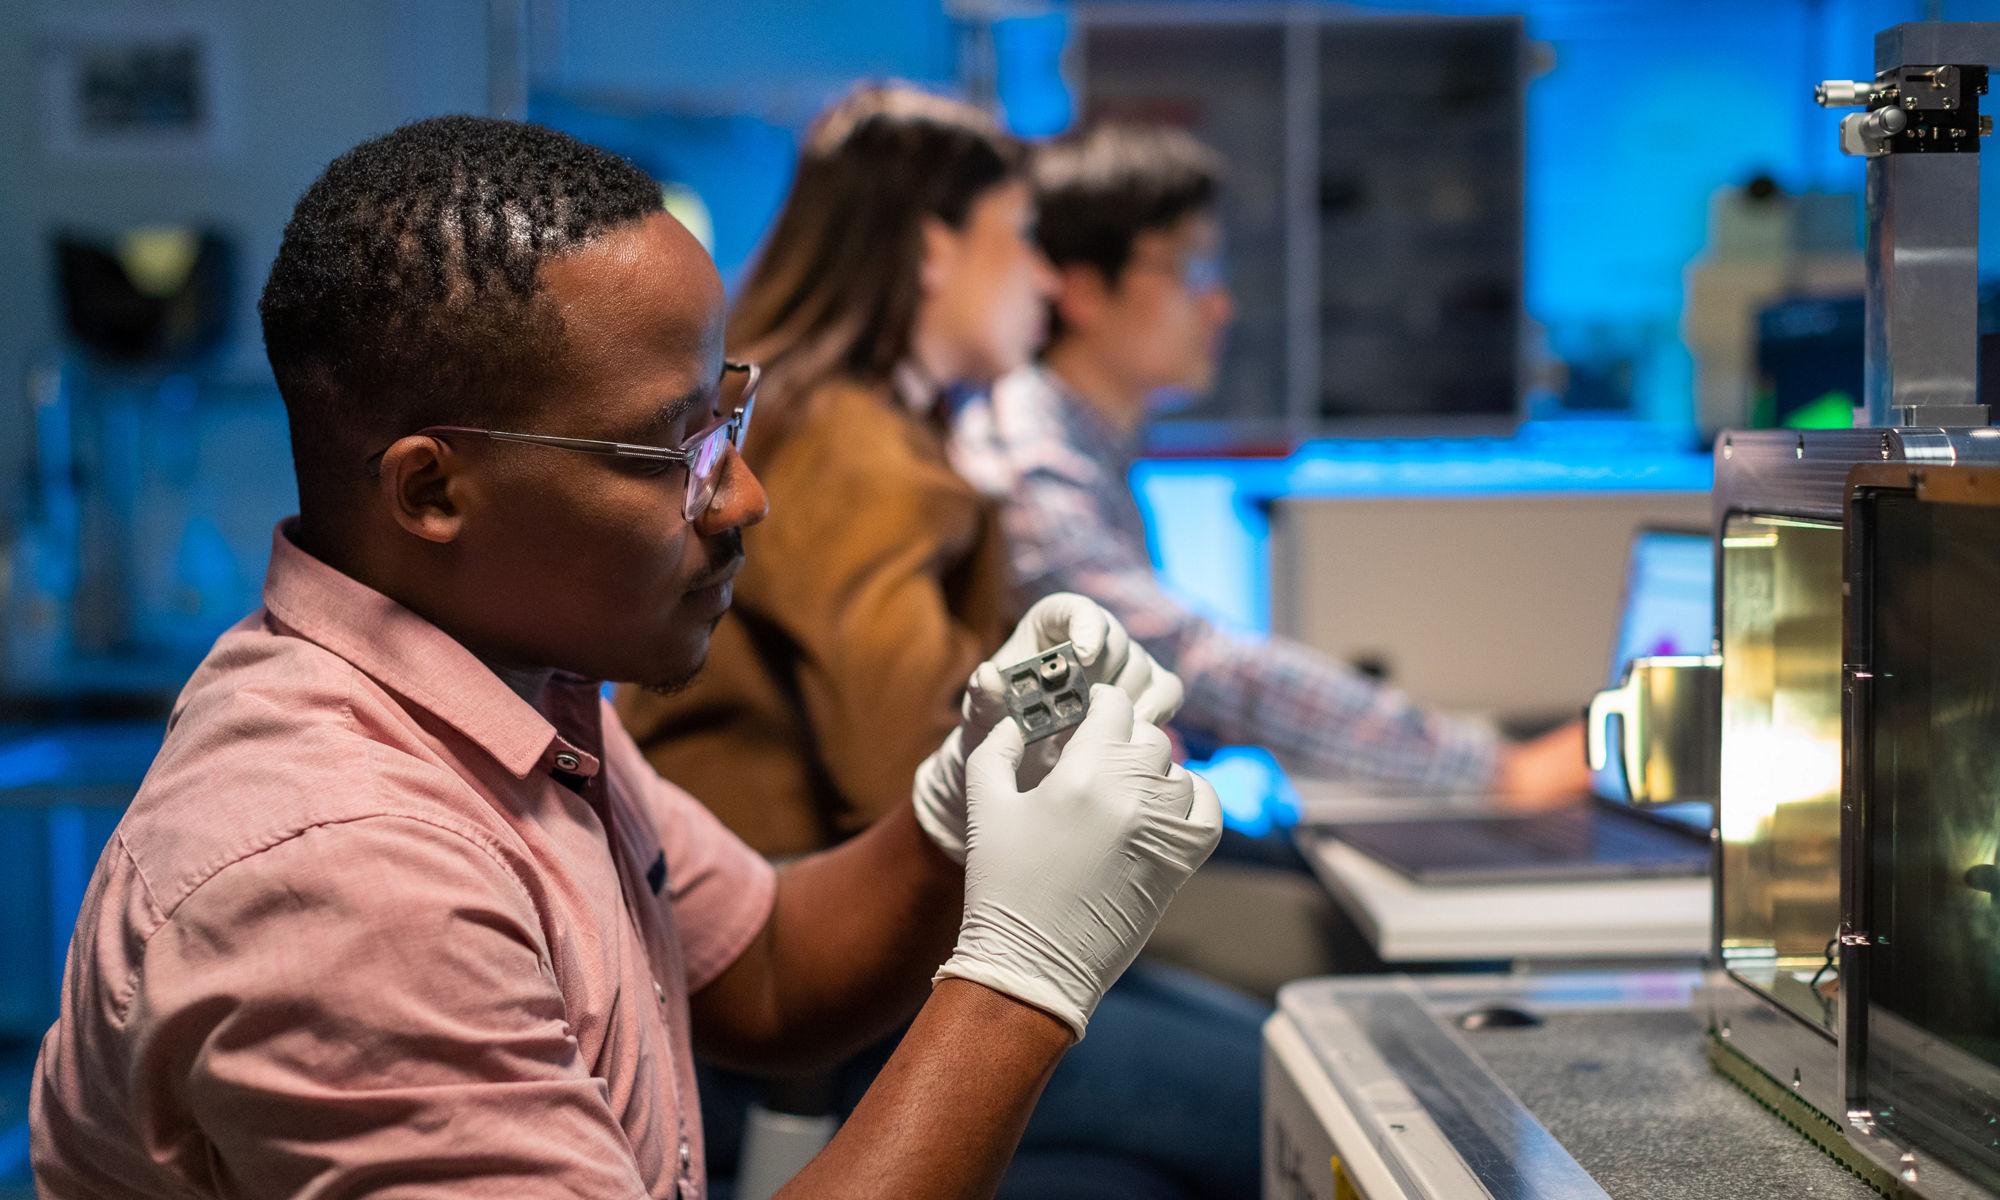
(1064, 882)
(1107, 654)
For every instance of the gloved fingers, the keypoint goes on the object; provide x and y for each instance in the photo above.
(1117, 651)
(1039, 760)
(1156, 692)
(1101, 642)
(1068, 617)
(985, 701)
(991, 767)
(1162, 698)
(1155, 750)
(1136, 675)
(1204, 814)
(1108, 723)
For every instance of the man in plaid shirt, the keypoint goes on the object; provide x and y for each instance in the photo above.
(1126, 216)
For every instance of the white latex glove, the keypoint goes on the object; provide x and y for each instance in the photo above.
(1064, 882)
(1107, 655)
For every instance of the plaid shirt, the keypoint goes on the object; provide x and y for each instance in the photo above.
(1059, 470)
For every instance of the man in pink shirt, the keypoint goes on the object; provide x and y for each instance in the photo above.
(400, 910)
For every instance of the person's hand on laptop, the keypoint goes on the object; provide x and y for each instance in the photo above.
(1543, 773)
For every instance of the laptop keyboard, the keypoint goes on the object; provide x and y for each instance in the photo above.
(1588, 837)
(1581, 835)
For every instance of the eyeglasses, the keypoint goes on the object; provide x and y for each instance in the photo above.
(701, 454)
(1198, 273)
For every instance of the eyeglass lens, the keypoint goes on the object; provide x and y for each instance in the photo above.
(707, 455)
(1203, 272)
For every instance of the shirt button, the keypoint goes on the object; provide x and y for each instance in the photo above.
(659, 993)
(567, 761)
(687, 1157)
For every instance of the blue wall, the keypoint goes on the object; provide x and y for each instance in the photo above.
(1646, 109)
(1643, 111)
(1640, 113)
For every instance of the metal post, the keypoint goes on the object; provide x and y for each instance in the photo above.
(1921, 135)
(1923, 252)
(1922, 350)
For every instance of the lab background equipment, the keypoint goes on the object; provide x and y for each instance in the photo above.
(1853, 825)
(1373, 219)
(1831, 875)
(1851, 997)
(1616, 181)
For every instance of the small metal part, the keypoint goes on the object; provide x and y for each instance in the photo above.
(1847, 93)
(1047, 693)
(1866, 135)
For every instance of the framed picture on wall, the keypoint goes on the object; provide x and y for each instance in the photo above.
(137, 85)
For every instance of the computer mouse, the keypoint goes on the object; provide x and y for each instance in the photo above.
(1498, 1016)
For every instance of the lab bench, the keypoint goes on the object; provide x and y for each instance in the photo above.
(1374, 1090)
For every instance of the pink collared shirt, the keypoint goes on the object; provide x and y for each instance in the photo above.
(375, 925)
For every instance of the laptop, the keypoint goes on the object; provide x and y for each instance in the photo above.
(1669, 608)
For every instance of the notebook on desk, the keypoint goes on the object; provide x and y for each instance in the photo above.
(1669, 608)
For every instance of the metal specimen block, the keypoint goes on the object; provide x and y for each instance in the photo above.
(1047, 693)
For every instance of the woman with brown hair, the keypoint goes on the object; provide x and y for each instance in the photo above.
(902, 270)
(903, 264)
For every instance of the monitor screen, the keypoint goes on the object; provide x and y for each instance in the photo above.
(1669, 598)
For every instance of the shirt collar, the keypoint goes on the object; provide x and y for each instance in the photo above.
(415, 659)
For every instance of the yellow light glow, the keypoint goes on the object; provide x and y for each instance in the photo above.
(1766, 767)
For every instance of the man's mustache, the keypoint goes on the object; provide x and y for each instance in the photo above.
(725, 551)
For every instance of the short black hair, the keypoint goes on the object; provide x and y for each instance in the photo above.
(406, 290)
(1098, 188)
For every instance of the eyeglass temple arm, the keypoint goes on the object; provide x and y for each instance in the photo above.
(588, 445)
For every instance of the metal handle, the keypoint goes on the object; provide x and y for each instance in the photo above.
(1634, 702)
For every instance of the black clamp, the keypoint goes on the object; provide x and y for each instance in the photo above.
(1912, 110)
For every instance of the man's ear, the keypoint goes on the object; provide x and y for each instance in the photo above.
(424, 485)
(1081, 297)
(942, 246)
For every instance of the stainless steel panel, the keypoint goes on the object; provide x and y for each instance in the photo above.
(1778, 817)
(1782, 1046)
(1803, 473)
(1444, 1124)
(1923, 278)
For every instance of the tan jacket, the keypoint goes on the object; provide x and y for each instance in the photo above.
(869, 594)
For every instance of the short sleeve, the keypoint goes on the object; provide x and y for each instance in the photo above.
(722, 891)
(369, 1008)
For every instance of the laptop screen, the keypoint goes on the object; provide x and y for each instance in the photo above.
(1669, 609)
(1669, 598)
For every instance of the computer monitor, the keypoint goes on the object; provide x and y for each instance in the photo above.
(1669, 610)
